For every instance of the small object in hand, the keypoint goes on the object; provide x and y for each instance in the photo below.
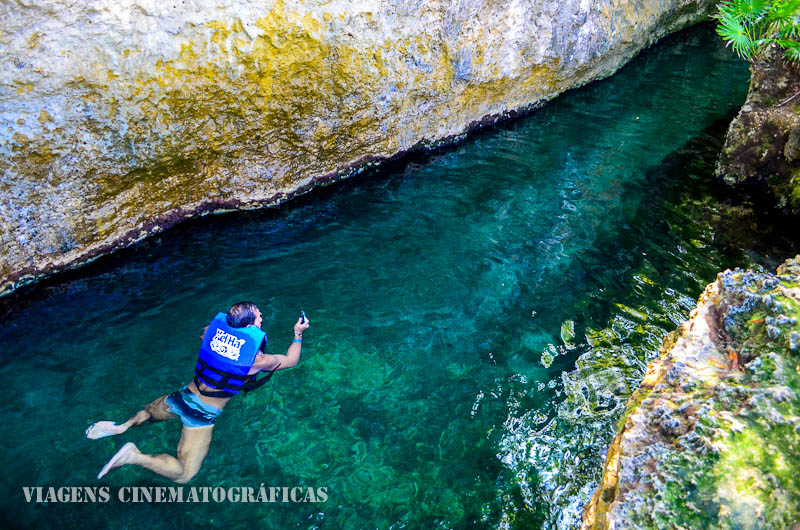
(302, 317)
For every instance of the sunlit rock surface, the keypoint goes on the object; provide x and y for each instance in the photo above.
(120, 119)
(762, 149)
(711, 438)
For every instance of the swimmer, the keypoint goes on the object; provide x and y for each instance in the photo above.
(231, 356)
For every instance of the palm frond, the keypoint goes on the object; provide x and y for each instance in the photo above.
(792, 54)
(751, 10)
(734, 32)
(784, 12)
(790, 31)
(751, 26)
(783, 15)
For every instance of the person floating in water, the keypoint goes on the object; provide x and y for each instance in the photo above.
(231, 355)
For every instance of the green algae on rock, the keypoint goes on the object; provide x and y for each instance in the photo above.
(121, 120)
(710, 438)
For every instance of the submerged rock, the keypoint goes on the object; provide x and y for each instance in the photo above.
(122, 119)
(762, 148)
(711, 437)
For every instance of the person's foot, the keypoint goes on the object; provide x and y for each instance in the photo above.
(125, 455)
(102, 429)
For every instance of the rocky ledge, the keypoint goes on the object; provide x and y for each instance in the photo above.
(762, 150)
(120, 119)
(711, 438)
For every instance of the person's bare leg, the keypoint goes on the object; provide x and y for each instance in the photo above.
(155, 411)
(192, 450)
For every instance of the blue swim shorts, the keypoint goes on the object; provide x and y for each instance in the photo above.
(189, 408)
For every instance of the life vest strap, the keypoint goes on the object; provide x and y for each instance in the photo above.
(254, 383)
(214, 394)
(227, 381)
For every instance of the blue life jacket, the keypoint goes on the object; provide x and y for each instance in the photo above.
(225, 357)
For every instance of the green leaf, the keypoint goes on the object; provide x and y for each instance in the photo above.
(784, 11)
(791, 49)
(731, 30)
(789, 31)
(751, 26)
(751, 9)
(787, 44)
(792, 54)
(760, 44)
(783, 16)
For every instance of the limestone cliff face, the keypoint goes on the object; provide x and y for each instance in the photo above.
(119, 119)
(711, 438)
(762, 148)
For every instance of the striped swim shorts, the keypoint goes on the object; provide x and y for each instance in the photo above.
(190, 409)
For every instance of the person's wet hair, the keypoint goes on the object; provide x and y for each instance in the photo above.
(241, 314)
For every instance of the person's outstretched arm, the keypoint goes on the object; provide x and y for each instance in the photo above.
(269, 363)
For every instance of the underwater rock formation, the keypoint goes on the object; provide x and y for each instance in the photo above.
(119, 120)
(762, 148)
(711, 437)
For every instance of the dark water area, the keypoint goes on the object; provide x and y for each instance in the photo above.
(480, 314)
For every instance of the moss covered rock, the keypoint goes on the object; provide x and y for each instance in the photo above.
(120, 119)
(762, 150)
(711, 438)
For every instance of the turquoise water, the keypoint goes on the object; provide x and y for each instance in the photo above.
(438, 288)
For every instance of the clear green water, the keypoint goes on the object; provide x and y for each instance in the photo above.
(434, 286)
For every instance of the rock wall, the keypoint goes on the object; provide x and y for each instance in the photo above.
(120, 119)
(762, 149)
(711, 438)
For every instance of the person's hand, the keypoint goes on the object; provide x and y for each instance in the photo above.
(299, 327)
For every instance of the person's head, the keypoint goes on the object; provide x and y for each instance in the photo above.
(243, 314)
